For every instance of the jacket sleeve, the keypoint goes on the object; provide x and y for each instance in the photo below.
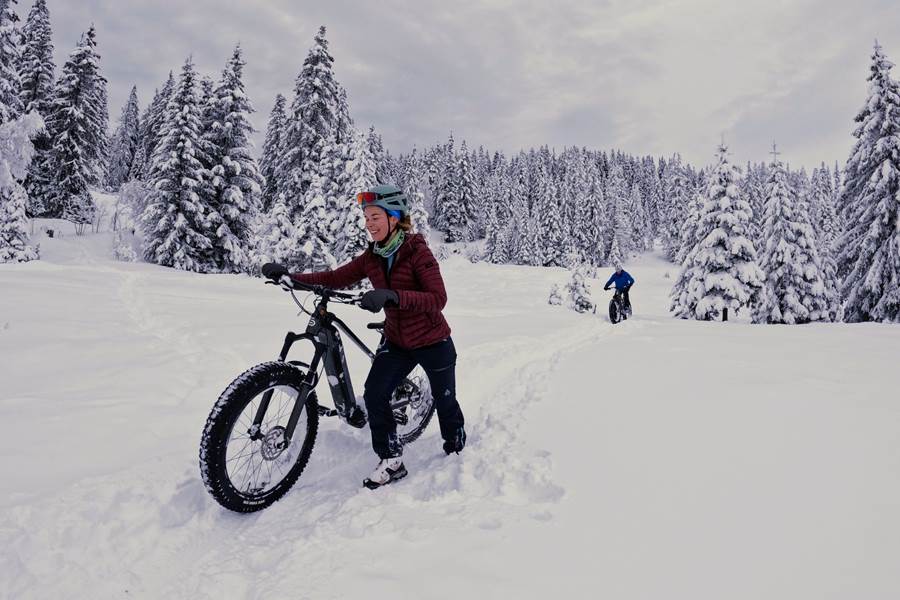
(433, 296)
(610, 280)
(342, 277)
(630, 279)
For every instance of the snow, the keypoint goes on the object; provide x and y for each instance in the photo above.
(657, 458)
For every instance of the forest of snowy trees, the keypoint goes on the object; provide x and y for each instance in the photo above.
(782, 245)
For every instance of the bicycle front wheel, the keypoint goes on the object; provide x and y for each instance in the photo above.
(245, 467)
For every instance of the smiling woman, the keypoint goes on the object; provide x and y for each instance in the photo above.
(409, 288)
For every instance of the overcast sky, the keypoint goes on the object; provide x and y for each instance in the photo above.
(644, 76)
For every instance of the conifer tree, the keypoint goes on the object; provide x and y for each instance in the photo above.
(37, 66)
(174, 220)
(125, 143)
(793, 289)
(720, 272)
(234, 184)
(77, 125)
(271, 152)
(15, 154)
(868, 258)
(310, 123)
(152, 122)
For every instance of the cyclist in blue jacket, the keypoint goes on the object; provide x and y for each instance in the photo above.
(623, 282)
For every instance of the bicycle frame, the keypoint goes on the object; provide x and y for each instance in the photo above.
(322, 331)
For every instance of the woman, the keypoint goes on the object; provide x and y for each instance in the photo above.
(409, 287)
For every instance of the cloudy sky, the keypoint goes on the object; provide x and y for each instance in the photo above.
(644, 76)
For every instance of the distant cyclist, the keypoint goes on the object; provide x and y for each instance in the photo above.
(623, 282)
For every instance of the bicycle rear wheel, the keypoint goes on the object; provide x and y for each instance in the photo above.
(247, 468)
(413, 406)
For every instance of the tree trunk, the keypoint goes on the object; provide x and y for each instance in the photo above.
(724, 314)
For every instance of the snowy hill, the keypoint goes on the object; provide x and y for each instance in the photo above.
(657, 458)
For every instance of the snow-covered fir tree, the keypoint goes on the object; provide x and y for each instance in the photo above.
(868, 258)
(615, 258)
(676, 207)
(36, 67)
(152, 122)
(77, 125)
(310, 123)
(793, 290)
(459, 205)
(10, 84)
(721, 271)
(233, 187)
(174, 221)
(618, 199)
(578, 291)
(271, 152)
(125, 143)
(16, 151)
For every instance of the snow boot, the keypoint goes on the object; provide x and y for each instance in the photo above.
(457, 443)
(387, 471)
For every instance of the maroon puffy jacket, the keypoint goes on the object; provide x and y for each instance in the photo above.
(416, 278)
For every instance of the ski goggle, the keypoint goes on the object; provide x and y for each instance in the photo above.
(372, 197)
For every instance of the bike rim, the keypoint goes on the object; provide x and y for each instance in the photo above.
(417, 407)
(256, 466)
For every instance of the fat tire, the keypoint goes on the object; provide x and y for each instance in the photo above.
(614, 313)
(219, 424)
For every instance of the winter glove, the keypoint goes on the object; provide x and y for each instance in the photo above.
(274, 271)
(375, 300)
(605, 287)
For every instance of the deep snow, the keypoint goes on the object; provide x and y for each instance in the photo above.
(657, 458)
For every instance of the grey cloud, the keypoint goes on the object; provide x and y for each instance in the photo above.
(647, 77)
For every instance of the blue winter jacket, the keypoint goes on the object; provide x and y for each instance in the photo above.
(621, 280)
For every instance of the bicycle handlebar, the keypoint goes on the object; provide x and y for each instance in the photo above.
(319, 290)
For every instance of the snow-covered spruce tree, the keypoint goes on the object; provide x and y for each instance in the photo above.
(36, 67)
(640, 222)
(313, 249)
(444, 183)
(793, 289)
(233, 187)
(549, 219)
(556, 295)
(152, 122)
(360, 176)
(826, 233)
(15, 154)
(413, 183)
(271, 152)
(459, 206)
(310, 122)
(675, 208)
(617, 198)
(579, 292)
(10, 84)
(614, 258)
(77, 125)
(174, 221)
(690, 222)
(868, 258)
(721, 272)
(125, 143)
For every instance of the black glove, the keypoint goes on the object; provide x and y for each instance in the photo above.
(606, 287)
(274, 271)
(375, 300)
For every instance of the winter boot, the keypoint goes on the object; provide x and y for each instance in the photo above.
(387, 471)
(456, 443)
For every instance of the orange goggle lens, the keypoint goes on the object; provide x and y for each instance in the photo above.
(366, 197)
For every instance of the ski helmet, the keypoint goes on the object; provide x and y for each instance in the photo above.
(389, 197)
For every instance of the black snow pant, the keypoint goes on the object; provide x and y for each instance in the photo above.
(391, 365)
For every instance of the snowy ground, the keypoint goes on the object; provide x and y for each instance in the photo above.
(653, 459)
